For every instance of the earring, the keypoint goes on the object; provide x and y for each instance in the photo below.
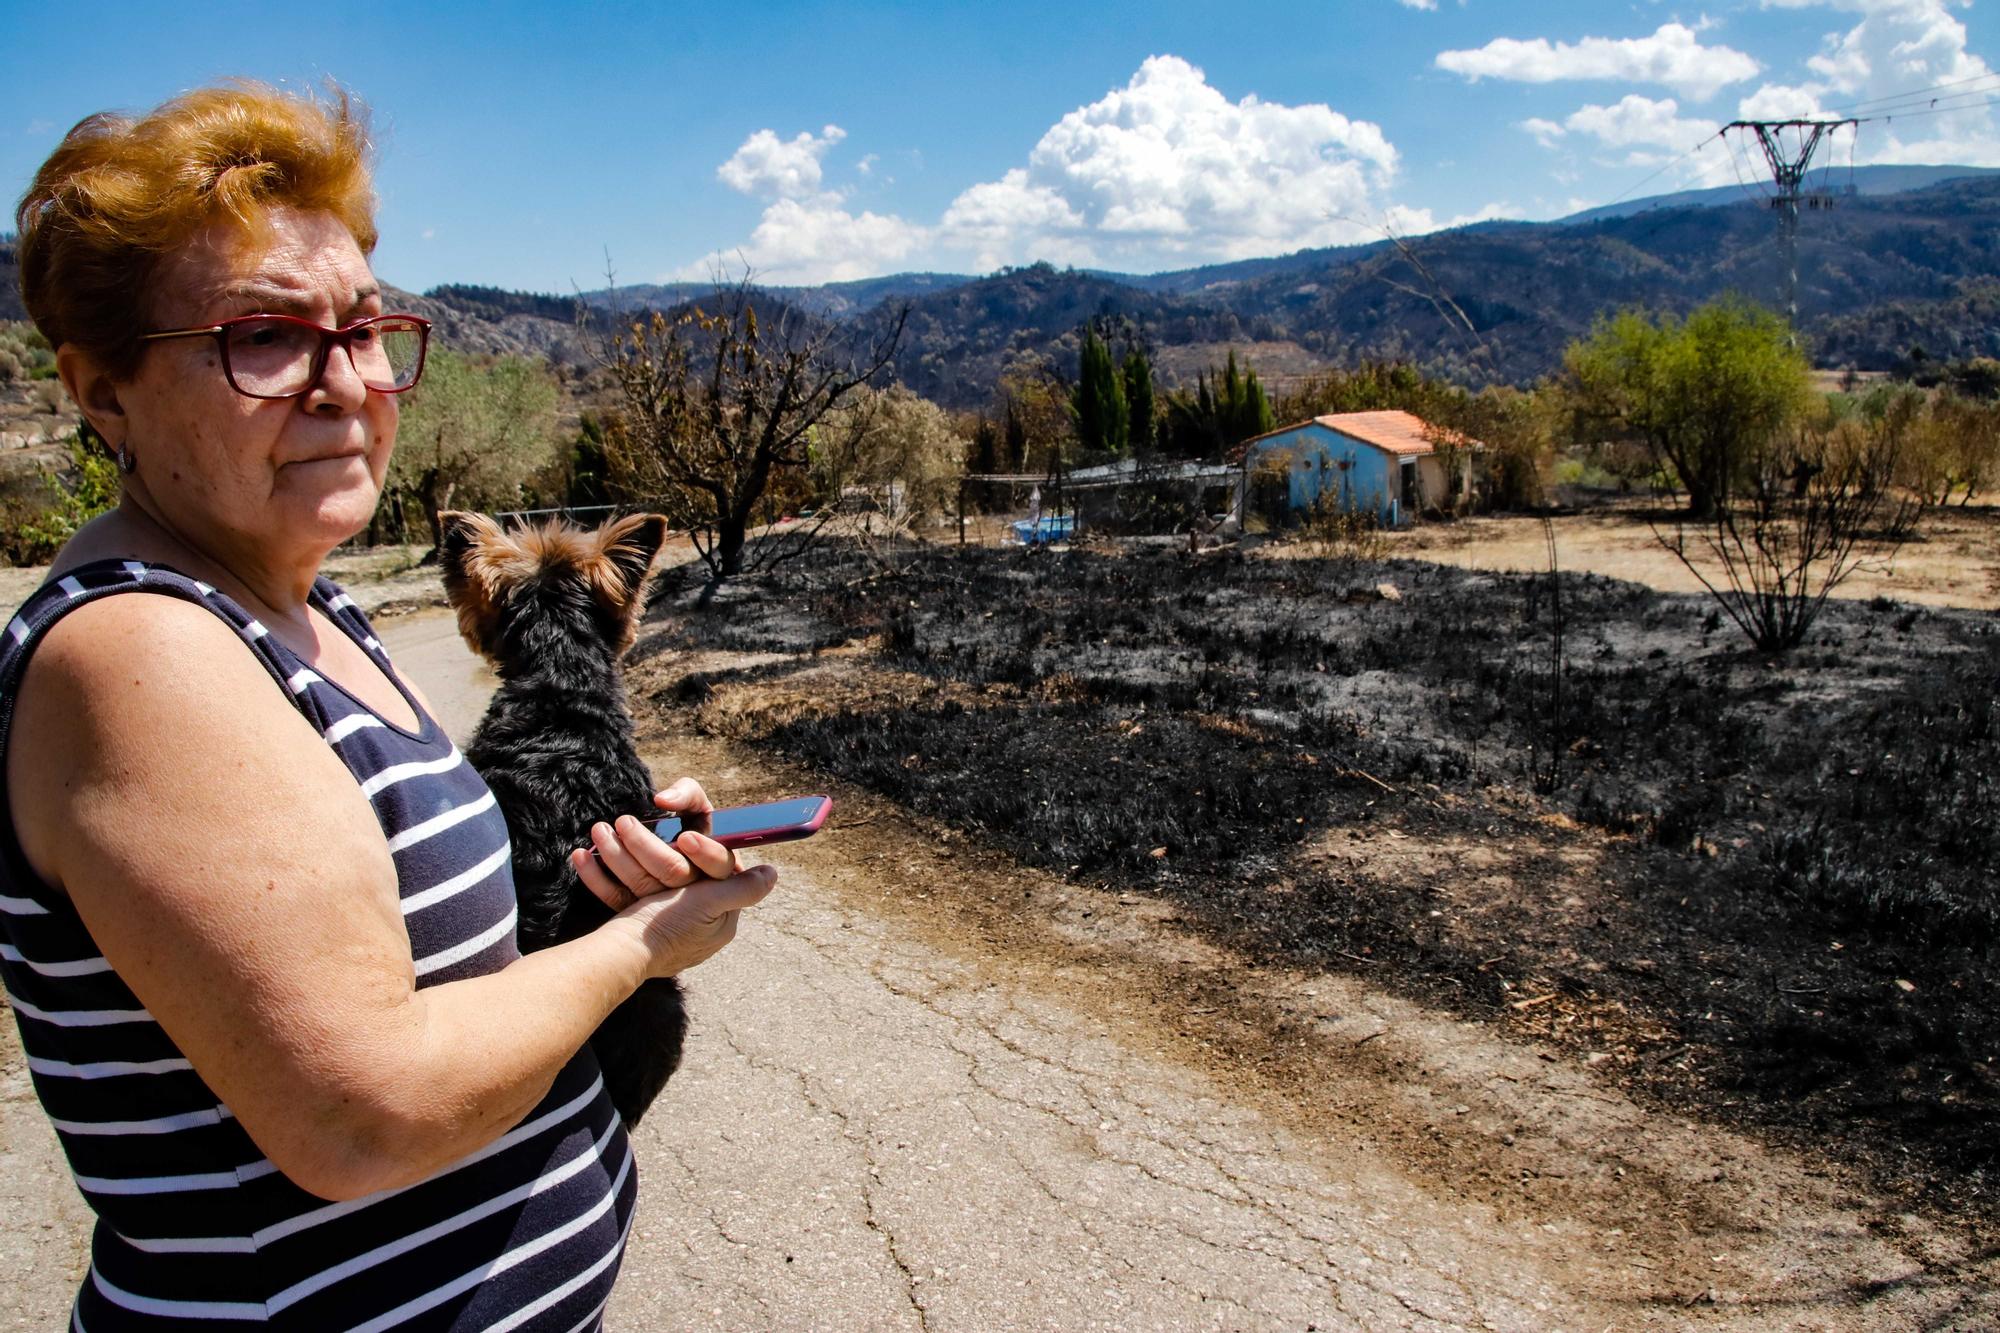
(126, 462)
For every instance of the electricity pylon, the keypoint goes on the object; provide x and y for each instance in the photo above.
(1788, 170)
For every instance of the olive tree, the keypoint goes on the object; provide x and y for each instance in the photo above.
(472, 432)
(898, 445)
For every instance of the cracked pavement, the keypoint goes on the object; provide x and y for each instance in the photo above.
(868, 1133)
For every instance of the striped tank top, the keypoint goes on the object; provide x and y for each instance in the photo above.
(195, 1227)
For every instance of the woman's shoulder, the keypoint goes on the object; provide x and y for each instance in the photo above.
(88, 663)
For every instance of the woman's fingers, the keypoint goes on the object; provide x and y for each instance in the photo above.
(684, 797)
(599, 881)
(657, 859)
(630, 863)
(707, 855)
(613, 856)
(745, 889)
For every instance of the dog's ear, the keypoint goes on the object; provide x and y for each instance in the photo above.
(631, 544)
(626, 549)
(466, 585)
(460, 531)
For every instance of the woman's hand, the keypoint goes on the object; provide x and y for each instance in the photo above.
(683, 895)
(632, 862)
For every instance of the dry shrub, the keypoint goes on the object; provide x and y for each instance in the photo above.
(754, 709)
(1063, 687)
(1333, 531)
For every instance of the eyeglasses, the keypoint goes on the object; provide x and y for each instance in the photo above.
(282, 356)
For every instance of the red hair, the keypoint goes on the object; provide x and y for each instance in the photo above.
(121, 194)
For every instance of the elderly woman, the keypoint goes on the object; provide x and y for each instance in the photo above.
(256, 918)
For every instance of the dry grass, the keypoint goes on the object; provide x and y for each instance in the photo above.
(1954, 561)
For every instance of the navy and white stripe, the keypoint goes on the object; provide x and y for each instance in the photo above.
(195, 1226)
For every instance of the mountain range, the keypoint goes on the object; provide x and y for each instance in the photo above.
(1899, 261)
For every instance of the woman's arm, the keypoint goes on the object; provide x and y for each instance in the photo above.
(232, 872)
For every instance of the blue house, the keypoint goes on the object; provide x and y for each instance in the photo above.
(1379, 462)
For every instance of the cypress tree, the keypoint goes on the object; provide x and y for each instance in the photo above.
(985, 448)
(1017, 439)
(1255, 414)
(1098, 402)
(1138, 376)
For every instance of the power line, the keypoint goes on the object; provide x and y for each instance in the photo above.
(1917, 93)
(1663, 170)
(1928, 111)
(1882, 115)
(1942, 102)
(1736, 156)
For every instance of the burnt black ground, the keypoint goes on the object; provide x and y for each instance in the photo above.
(1789, 912)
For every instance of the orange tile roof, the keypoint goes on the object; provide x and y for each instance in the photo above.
(1397, 432)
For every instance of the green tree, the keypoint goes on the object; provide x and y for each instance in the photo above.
(901, 447)
(1098, 401)
(1140, 401)
(585, 479)
(472, 432)
(1701, 394)
(1241, 404)
(1226, 407)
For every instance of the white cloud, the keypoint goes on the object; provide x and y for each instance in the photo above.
(782, 169)
(1418, 4)
(1885, 69)
(1638, 131)
(806, 234)
(1403, 221)
(1547, 131)
(1163, 172)
(1633, 120)
(1167, 170)
(1672, 57)
(815, 240)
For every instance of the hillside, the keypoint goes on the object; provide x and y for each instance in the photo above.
(1879, 274)
(1837, 181)
(1501, 303)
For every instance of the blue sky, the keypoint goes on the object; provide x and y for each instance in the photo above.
(521, 142)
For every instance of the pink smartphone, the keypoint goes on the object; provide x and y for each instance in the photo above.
(751, 825)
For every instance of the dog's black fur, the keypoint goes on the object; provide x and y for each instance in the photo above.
(554, 610)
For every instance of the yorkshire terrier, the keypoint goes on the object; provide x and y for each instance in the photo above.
(555, 608)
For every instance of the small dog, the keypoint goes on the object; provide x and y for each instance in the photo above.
(555, 608)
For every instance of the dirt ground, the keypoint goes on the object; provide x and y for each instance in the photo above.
(1953, 561)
